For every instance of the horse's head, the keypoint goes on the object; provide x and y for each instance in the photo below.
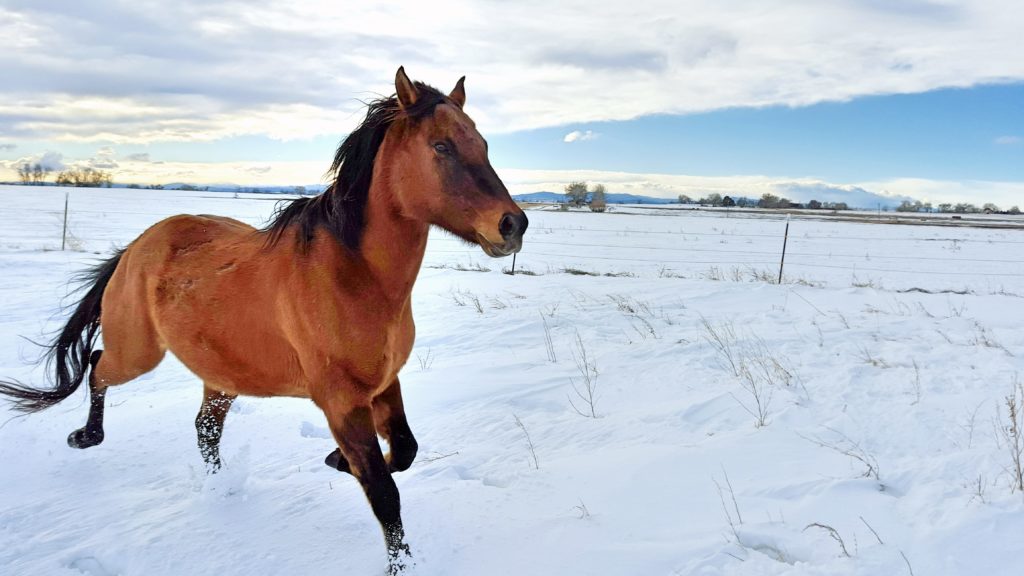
(440, 172)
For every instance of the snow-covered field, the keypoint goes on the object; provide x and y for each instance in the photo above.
(882, 409)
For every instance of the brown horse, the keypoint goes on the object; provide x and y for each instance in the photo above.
(316, 305)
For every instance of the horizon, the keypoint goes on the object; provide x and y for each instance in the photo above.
(866, 101)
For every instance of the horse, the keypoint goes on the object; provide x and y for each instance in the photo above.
(316, 304)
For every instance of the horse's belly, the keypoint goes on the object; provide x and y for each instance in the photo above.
(242, 365)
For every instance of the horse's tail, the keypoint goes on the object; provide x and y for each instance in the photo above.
(67, 357)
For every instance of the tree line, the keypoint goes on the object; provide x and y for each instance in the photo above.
(950, 208)
(36, 175)
(767, 200)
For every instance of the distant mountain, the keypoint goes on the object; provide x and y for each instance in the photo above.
(539, 197)
(610, 198)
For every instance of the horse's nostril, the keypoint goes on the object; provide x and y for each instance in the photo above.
(509, 226)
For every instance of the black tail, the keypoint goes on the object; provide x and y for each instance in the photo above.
(67, 358)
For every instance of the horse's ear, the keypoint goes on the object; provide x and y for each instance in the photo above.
(406, 90)
(458, 94)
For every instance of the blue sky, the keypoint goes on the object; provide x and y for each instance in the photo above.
(962, 134)
(909, 98)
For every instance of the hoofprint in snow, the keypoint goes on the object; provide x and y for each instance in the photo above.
(844, 422)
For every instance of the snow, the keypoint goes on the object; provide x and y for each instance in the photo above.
(672, 477)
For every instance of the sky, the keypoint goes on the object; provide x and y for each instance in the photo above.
(871, 100)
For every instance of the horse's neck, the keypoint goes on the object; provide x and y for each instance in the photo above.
(392, 247)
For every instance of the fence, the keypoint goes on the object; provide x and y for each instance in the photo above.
(683, 244)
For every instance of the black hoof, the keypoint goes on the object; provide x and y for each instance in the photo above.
(82, 438)
(337, 461)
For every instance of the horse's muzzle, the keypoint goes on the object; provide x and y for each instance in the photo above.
(511, 227)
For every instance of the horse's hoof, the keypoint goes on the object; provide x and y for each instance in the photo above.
(82, 438)
(336, 461)
(333, 459)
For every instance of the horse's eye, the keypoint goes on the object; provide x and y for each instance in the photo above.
(442, 148)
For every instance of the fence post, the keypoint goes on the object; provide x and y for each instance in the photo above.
(64, 234)
(785, 239)
(513, 264)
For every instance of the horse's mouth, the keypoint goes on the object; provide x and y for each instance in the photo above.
(499, 251)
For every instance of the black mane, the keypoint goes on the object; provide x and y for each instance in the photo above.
(341, 207)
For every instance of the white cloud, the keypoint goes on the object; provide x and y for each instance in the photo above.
(49, 160)
(580, 136)
(7, 147)
(1008, 140)
(101, 163)
(298, 69)
(183, 118)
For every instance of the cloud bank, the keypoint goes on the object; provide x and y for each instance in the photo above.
(193, 70)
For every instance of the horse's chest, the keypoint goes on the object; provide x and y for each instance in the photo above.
(375, 352)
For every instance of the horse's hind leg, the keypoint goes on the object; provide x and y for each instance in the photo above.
(128, 354)
(210, 425)
(92, 433)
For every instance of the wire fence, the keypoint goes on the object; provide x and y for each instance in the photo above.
(818, 251)
(961, 260)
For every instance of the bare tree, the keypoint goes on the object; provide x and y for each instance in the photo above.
(598, 203)
(25, 174)
(576, 192)
(768, 201)
(40, 173)
(713, 199)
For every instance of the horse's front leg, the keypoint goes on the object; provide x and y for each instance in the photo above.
(391, 424)
(353, 428)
